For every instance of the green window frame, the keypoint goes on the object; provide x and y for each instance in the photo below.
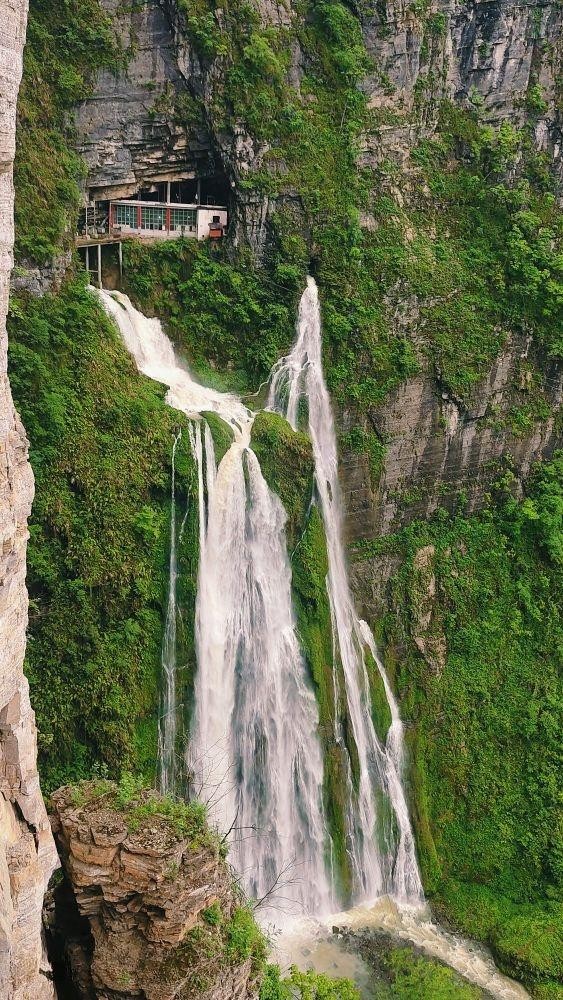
(153, 218)
(183, 218)
(126, 215)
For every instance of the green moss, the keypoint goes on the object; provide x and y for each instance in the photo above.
(310, 569)
(286, 460)
(98, 553)
(244, 938)
(412, 976)
(213, 915)
(483, 735)
(223, 435)
(380, 711)
(66, 44)
(526, 939)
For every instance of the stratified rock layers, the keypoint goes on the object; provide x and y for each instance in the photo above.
(155, 898)
(27, 854)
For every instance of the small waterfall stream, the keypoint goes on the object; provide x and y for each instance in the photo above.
(168, 722)
(394, 870)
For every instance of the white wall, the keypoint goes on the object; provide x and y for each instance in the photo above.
(205, 216)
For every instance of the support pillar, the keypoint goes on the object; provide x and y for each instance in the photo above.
(120, 255)
(99, 265)
(88, 263)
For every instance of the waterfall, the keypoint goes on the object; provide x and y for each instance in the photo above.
(255, 752)
(391, 866)
(255, 756)
(168, 723)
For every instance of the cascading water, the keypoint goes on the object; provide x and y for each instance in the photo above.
(168, 723)
(378, 870)
(254, 752)
(254, 744)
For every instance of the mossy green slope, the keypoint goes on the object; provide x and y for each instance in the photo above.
(101, 445)
(484, 733)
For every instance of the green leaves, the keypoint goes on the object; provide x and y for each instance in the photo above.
(305, 986)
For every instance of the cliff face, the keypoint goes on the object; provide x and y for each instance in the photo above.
(26, 847)
(127, 129)
(504, 60)
(156, 899)
(442, 449)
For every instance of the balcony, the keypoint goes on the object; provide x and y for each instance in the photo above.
(157, 220)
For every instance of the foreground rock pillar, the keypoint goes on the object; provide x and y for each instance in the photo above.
(27, 854)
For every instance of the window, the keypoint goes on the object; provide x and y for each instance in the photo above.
(153, 218)
(183, 218)
(126, 215)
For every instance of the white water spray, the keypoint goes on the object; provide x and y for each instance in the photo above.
(391, 867)
(254, 755)
(168, 723)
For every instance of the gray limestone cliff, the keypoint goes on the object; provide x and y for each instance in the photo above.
(27, 855)
(440, 450)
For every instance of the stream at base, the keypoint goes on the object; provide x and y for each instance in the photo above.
(313, 944)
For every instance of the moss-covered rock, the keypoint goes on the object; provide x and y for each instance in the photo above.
(223, 435)
(482, 735)
(380, 711)
(286, 460)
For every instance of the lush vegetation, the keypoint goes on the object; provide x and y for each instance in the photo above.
(101, 444)
(66, 43)
(305, 986)
(484, 734)
(398, 974)
(402, 974)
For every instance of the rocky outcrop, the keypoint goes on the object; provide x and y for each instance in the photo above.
(154, 120)
(157, 897)
(27, 854)
(492, 54)
(444, 451)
